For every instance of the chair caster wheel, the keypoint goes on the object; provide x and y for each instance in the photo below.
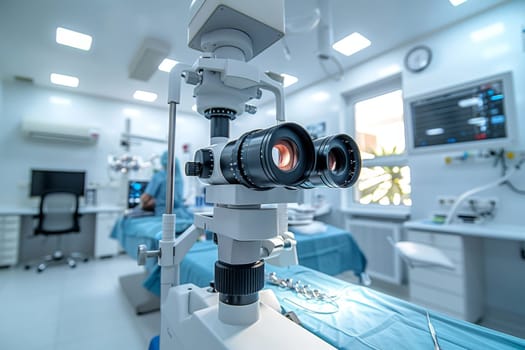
(85, 260)
(27, 267)
(40, 268)
(72, 264)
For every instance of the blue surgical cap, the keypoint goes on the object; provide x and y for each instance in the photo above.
(164, 159)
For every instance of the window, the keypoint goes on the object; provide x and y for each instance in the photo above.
(378, 126)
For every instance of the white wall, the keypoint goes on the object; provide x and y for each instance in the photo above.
(19, 154)
(457, 59)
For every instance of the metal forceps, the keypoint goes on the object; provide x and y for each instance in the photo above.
(433, 333)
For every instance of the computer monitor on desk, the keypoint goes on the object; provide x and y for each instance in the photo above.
(43, 181)
(135, 190)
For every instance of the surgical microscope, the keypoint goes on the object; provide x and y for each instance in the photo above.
(249, 181)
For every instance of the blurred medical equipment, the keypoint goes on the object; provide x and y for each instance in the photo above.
(320, 18)
(326, 55)
(135, 190)
(126, 162)
(276, 162)
(473, 115)
(504, 180)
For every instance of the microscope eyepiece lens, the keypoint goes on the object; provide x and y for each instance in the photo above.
(285, 155)
(282, 155)
(338, 162)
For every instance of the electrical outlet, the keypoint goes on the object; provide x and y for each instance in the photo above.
(446, 201)
(481, 203)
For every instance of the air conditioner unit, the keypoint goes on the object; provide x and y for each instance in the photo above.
(59, 131)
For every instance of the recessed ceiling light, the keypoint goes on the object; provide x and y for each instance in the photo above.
(167, 64)
(289, 80)
(351, 44)
(145, 96)
(74, 39)
(65, 80)
(457, 2)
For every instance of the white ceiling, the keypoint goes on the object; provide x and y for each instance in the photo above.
(118, 27)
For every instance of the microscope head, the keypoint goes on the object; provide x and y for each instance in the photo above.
(258, 25)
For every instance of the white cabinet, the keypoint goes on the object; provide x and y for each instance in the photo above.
(9, 238)
(104, 245)
(457, 293)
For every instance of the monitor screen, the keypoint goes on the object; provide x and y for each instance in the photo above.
(473, 114)
(43, 181)
(135, 190)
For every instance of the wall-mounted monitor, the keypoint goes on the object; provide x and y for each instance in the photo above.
(478, 114)
(135, 190)
(43, 181)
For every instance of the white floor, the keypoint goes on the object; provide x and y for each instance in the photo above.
(73, 309)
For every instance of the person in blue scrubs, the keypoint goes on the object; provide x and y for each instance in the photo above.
(154, 196)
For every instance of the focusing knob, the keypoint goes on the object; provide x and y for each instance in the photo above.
(203, 164)
(193, 169)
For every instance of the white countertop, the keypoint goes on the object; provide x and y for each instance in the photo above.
(399, 213)
(21, 210)
(490, 230)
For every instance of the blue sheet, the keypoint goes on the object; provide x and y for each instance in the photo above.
(332, 252)
(366, 319)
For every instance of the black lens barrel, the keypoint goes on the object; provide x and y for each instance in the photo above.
(248, 160)
(338, 162)
(283, 155)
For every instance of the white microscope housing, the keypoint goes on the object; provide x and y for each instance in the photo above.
(261, 21)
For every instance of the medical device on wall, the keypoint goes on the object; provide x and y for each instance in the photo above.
(478, 114)
(59, 131)
(249, 180)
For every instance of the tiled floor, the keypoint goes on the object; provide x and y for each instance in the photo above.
(73, 309)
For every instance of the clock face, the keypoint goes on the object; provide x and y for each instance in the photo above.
(418, 58)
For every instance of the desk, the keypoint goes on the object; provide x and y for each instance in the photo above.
(460, 292)
(16, 225)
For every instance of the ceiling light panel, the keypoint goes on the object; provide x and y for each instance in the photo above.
(74, 39)
(65, 80)
(145, 96)
(167, 65)
(351, 44)
(457, 2)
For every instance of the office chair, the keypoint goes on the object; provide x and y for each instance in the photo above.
(58, 215)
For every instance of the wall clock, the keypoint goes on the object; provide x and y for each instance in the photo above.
(418, 58)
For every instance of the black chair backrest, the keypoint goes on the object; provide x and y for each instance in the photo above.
(58, 213)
